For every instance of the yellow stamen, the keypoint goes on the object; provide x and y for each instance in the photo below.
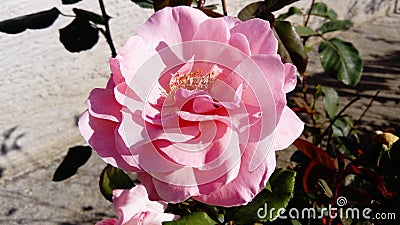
(192, 81)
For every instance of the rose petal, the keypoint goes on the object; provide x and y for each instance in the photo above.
(259, 35)
(131, 57)
(173, 25)
(288, 130)
(99, 134)
(108, 221)
(247, 184)
(231, 21)
(290, 77)
(103, 105)
(213, 29)
(240, 42)
(133, 207)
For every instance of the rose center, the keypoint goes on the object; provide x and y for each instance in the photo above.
(192, 81)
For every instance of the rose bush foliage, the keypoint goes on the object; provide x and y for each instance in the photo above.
(196, 106)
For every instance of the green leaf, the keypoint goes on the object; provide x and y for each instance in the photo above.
(336, 25)
(147, 4)
(38, 20)
(285, 57)
(113, 178)
(342, 126)
(282, 186)
(305, 31)
(327, 190)
(293, 44)
(341, 60)
(211, 7)
(320, 9)
(262, 9)
(68, 2)
(90, 16)
(76, 157)
(295, 222)
(274, 5)
(193, 218)
(250, 11)
(292, 11)
(159, 4)
(331, 100)
(79, 35)
(316, 154)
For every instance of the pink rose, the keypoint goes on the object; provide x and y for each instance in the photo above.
(196, 106)
(133, 207)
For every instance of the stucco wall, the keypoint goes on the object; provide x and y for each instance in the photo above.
(43, 87)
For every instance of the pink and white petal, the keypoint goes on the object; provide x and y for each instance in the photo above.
(213, 179)
(247, 184)
(177, 186)
(130, 128)
(171, 25)
(144, 81)
(131, 57)
(204, 104)
(147, 180)
(173, 191)
(116, 77)
(258, 90)
(125, 152)
(103, 105)
(213, 29)
(129, 204)
(231, 21)
(200, 117)
(111, 83)
(148, 154)
(182, 96)
(259, 35)
(215, 144)
(161, 217)
(240, 42)
(290, 77)
(126, 206)
(99, 134)
(288, 130)
(108, 221)
(274, 73)
(227, 88)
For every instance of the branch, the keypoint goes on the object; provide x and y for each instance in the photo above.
(336, 117)
(224, 8)
(107, 33)
(309, 13)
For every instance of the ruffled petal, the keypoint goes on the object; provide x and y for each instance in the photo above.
(246, 185)
(108, 221)
(103, 105)
(173, 26)
(290, 78)
(131, 57)
(259, 35)
(274, 74)
(99, 134)
(288, 130)
(240, 42)
(213, 29)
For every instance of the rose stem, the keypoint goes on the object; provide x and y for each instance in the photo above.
(107, 33)
(224, 8)
(309, 13)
